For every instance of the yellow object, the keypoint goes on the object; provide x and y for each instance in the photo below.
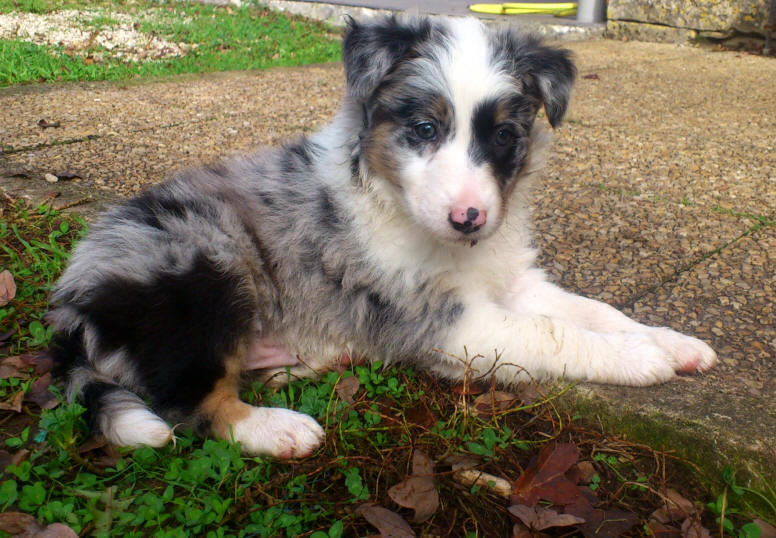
(559, 9)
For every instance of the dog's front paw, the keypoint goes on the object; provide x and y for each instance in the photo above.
(280, 433)
(639, 361)
(690, 354)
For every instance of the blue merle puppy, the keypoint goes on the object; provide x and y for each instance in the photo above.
(399, 232)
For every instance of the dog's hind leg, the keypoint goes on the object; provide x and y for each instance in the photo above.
(281, 433)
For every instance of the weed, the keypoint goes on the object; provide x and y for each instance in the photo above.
(34, 245)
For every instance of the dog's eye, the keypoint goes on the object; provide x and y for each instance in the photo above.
(426, 130)
(503, 137)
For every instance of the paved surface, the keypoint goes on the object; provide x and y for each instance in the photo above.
(660, 197)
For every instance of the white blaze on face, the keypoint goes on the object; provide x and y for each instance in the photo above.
(439, 182)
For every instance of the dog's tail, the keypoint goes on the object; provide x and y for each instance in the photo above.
(119, 414)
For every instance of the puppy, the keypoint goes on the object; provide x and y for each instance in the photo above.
(400, 232)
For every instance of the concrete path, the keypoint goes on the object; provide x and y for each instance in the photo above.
(660, 198)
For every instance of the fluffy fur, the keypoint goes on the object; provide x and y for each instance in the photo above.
(399, 232)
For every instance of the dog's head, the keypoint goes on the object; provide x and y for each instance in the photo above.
(449, 107)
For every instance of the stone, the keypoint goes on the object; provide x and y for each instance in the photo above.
(743, 16)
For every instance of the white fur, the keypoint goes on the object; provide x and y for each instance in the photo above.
(280, 433)
(136, 426)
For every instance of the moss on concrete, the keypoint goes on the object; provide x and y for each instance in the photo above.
(707, 452)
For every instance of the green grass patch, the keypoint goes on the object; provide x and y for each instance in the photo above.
(34, 245)
(220, 39)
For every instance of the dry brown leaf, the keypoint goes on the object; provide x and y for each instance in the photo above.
(40, 395)
(14, 403)
(538, 518)
(16, 523)
(57, 530)
(546, 477)
(661, 530)
(7, 287)
(692, 528)
(20, 524)
(494, 402)
(676, 508)
(585, 472)
(390, 524)
(347, 388)
(768, 530)
(14, 366)
(418, 492)
(469, 389)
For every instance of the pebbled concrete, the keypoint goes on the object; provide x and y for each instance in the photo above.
(659, 198)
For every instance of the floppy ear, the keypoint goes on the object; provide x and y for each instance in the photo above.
(554, 74)
(371, 50)
(548, 72)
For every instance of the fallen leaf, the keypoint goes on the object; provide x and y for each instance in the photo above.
(6, 335)
(469, 389)
(494, 402)
(661, 530)
(538, 518)
(608, 523)
(767, 530)
(39, 393)
(14, 403)
(42, 361)
(20, 524)
(585, 472)
(14, 366)
(528, 392)
(45, 124)
(347, 388)
(546, 477)
(676, 508)
(692, 528)
(390, 524)
(420, 415)
(7, 287)
(101, 453)
(15, 523)
(418, 492)
(20, 456)
(57, 530)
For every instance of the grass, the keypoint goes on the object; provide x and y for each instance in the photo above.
(218, 39)
(205, 487)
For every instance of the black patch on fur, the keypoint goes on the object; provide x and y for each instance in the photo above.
(176, 329)
(93, 395)
(505, 160)
(67, 350)
(372, 50)
(329, 213)
(150, 206)
(547, 73)
(298, 156)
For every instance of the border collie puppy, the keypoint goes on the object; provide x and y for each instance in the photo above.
(400, 232)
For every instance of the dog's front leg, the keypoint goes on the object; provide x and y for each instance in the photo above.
(533, 295)
(491, 340)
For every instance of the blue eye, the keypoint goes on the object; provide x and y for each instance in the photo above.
(426, 130)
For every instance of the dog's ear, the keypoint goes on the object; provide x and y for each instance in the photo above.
(371, 50)
(548, 71)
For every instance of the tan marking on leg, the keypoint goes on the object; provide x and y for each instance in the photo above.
(223, 406)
